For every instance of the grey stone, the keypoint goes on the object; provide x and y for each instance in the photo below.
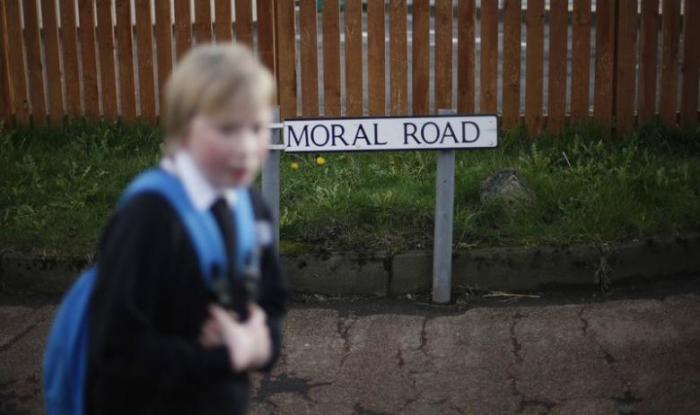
(508, 187)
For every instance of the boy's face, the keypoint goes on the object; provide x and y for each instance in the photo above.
(230, 144)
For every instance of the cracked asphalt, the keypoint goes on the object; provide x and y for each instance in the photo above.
(635, 350)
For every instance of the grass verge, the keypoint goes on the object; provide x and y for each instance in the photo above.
(59, 187)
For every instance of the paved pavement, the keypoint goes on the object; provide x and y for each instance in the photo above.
(636, 351)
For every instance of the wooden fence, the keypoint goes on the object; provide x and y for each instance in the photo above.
(617, 62)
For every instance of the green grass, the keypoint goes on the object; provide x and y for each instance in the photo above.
(59, 187)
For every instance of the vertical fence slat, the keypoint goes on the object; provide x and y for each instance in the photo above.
(244, 23)
(353, 57)
(421, 52)
(375, 56)
(222, 23)
(144, 38)
(18, 81)
(669, 61)
(86, 12)
(286, 77)
(691, 60)
(558, 37)
(164, 47)
(581, 60)
(183, 27)
(53, 68)
(626, 65)
(647, 60)
(605, 61)
(534, 66)
(331, 58)
(5, 95)
(69, 46)
(398, 48)
(202, 21)
(511, 63)
(443, 54)
(105, 39)
(35, 70)
(489, 56)
(125, 57)
(309, 58)
(265, 13)
(266, 33)
(465, 56)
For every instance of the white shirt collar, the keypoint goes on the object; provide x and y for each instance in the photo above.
(198, 189)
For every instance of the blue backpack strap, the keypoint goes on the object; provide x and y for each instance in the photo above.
(245, 230)
(65, 358)
(201, 226)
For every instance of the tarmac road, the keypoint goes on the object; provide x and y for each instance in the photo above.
(636, 350)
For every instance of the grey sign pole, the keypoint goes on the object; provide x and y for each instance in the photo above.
(444, 218)
(271, 173)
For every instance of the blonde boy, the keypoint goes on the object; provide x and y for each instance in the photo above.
(159, 343)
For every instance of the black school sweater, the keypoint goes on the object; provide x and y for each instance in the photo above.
(146, 313)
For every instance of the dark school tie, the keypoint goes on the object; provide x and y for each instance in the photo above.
(222, 283)
(231, 291)
(222, 214)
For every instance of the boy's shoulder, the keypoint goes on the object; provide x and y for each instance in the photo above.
(143, 219)
(145, 203)
(148, 210)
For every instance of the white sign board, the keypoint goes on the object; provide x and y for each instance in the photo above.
(391, 133)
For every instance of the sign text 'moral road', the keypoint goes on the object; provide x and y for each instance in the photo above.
(391, 133)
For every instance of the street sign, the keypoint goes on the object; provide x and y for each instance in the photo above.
(440, 132)
(445, 133)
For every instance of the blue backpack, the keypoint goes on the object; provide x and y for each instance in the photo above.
(65, 358)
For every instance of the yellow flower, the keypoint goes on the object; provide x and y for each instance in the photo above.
(320, 161)
(294, 165)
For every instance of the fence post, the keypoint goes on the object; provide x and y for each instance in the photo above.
(5, 97)
(271, 174)
(444, 218)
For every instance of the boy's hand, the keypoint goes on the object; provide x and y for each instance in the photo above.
(262, 336)
(248, 342)
(211, 335)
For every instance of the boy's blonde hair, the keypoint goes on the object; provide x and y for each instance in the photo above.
(206, 79)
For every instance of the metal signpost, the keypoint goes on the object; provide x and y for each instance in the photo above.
(444, 133)
(444, 219)
(271, 173)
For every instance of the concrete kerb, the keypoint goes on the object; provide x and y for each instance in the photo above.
(381, 274)
(336, 273)
(40, 274)
(523, 269)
